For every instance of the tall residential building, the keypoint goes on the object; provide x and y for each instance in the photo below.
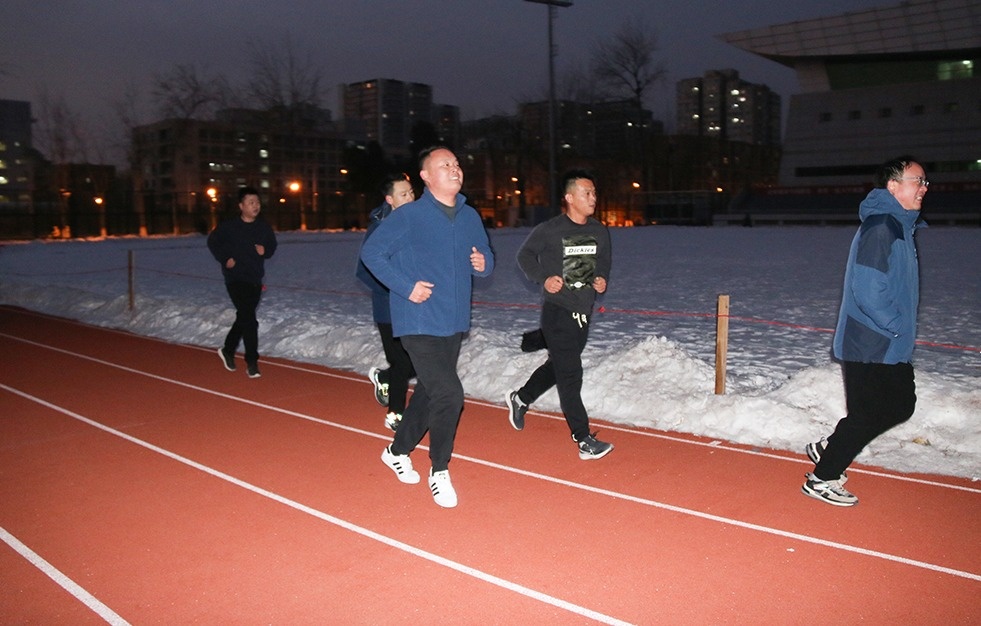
(720, 104)
(389, 111)
(874, 84)
(16, 178)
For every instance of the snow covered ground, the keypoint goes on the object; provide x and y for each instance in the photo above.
(650, 360)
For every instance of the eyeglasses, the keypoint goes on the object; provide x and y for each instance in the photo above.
(920, 181)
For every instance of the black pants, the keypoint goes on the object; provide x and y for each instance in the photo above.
(565, 337)
(399, 370)
(878, 397)
(437, 400)
(245, 297)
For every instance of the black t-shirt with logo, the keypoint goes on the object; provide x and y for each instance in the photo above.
(576, 252)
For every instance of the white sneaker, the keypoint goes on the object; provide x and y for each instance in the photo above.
(401, 465)
(442, 488)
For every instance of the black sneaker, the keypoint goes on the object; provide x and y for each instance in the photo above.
(253, 370)
(228, 360)
(592, 448)
(814, 452)
(392, 420)
(516, 410)
(381, 389)
(829, 491)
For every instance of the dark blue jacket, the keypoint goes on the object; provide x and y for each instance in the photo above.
(379, 292)
(420, 241)
(877, 320)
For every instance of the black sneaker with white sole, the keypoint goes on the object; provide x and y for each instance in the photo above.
(381, 389)
(516, 410)
(253, 370)
(227, 359)
(592, 448)
(814, 452)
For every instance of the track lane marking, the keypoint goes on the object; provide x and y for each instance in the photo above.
(63, 581)
(598, 490)
(326, 517)
(485, 403)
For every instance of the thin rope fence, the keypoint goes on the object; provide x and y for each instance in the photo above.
(497, 305)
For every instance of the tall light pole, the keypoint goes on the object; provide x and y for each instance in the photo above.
(552, 184)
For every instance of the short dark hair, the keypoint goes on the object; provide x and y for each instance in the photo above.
(247, 191)
(569, 179)
(388, 183)
(891, 170)
(424, 154)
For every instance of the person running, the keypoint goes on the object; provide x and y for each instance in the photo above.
(241, 245)
(392, 383)
(569, 255)
(876, 329)
(427, 254)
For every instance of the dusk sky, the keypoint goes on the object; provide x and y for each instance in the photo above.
(483, 56)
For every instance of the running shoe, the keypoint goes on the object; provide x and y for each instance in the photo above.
(443, 492)
(830, 491)
(381, 389)
(516, 410)
(401, 464)
(592, 448)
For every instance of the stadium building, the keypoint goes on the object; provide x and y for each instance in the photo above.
(900, 79)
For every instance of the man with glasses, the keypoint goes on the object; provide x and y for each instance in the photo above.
(876, 327)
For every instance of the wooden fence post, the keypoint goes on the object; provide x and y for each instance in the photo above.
(721, 343)
(131, 272)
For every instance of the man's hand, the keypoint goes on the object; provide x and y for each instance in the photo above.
(421, 292)
(477, 260)
(261, 249)
(553, 284)
(230, 263)
(599, 284)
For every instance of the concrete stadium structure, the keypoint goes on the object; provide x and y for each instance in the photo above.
(901, 79)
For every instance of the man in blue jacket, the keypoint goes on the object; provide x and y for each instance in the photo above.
(392, 383)
(241, 245)
(876, 328)
(427, 253)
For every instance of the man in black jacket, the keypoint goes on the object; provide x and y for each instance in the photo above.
(569, 255)
(241, 245)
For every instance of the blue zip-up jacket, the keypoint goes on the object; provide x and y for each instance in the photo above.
(421, 242)
(379, 293)
(877, 320)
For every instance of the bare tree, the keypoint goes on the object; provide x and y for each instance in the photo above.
(185, 93)
(625, 64)
(60, 135)
(626, 67)
(282, 79)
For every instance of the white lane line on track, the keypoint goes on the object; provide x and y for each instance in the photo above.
(653, 503)
(619, 428)
(326, 517)
(63, 581)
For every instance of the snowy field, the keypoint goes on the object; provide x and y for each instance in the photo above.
(650, 360)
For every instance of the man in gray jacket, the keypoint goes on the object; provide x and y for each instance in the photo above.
(876, 328)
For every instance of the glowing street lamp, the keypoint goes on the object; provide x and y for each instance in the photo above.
(294, 187)
(212, 193)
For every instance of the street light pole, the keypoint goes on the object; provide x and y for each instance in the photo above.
(552, 184)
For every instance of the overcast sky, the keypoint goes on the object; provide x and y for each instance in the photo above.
(481, 55)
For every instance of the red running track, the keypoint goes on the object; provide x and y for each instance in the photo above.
(143, 483)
